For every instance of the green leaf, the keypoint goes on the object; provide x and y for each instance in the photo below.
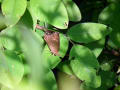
(84, 87)
(25, 85)
(12, 70)
(50, 81)
(73, 10)
(96, 46)
(84, 55)
(9, 38)
(107, 79)
(39, 37)
(83, 64)
(85, 73)
(5, 88)
(52, 12)
(88, 32)
(63, 45)
(106, 66)
(65, 67)
(119, 78)
(113, 1)
(27, 19)
(50, 60)
(13, 10)
(111, 16)
(40, 32)
(112, 44)
(33, 15)
(2, 22)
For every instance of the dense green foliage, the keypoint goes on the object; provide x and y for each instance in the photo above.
(89, 45)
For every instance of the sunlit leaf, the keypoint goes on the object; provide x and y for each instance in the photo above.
(107, 81)
(40, 32)
(85, 73)
(27, 19)
(8, 38)
(84, 87)
(63, 45)
(65, 67)
(12, 70)
(88, 32)
(52, 12)
(13, 10)
(50, 60)
(83, 64)
(96, 46)
(24, 85)
(2, 22)
(84, 55)
(50, 81)
(72, 10)
(33, 15)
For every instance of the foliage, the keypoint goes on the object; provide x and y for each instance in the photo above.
(89, 44)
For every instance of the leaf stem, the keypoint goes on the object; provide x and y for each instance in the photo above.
(41, 27)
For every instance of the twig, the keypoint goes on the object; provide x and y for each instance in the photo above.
(41, 28)
(69, 39)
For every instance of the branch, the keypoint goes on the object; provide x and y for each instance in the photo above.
(41, 27)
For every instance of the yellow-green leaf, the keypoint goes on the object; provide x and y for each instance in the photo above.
(72, 10)
(13, 10)
(88, 32)
(50, 11)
